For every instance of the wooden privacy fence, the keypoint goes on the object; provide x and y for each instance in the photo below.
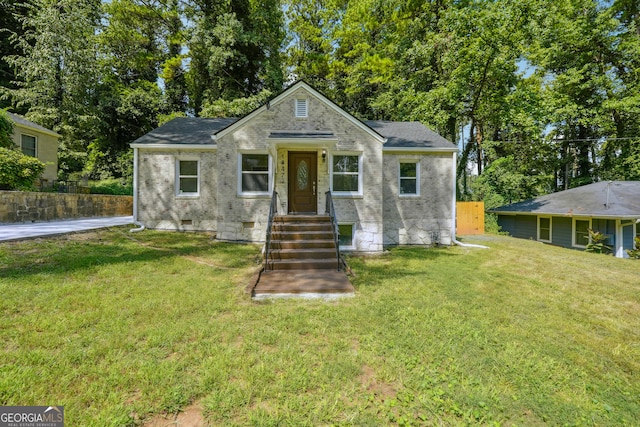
(469, 218)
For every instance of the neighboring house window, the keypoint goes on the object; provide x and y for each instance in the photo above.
(346, 236)
(346, 174)
(409, 178)
(302, 108)
(255, 173)
(544, 229)
(28, 145)
(188, 172)
(581, 232)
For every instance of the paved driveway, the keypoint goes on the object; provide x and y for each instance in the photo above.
(39, 229)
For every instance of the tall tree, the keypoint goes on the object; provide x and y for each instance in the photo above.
(57, 71)
(234, 50)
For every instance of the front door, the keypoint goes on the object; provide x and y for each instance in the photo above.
(303, 182)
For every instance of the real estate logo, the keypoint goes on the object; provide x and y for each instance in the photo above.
(31, 416)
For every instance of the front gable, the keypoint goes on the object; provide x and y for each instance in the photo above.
(287, 107)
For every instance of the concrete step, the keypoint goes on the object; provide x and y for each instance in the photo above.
(302, 244)
(302, 226)
(302, 235)
(307, 253)
(303, 264)
(301, 218)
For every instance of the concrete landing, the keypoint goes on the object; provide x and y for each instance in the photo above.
(326, 284)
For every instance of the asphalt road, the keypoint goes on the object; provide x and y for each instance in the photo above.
(39, 229)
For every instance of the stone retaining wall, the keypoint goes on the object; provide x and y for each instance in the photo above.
(19, 206)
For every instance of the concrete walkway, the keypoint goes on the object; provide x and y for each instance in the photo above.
(40, 229)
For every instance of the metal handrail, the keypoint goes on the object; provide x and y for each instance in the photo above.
(331, 211)
(273, 210)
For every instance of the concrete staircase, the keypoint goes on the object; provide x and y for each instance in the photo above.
(302, 242)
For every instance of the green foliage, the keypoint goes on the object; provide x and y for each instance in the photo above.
(18, 171)
(597, 243)
(111, 186)
(236, 107)
(635, 253)
(6, 130)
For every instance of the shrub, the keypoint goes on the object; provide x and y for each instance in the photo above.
(597, 243)
(111, 186)
(635, 253)
(18, 171)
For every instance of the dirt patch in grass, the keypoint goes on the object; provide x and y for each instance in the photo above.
(190, 417)
(370, 382)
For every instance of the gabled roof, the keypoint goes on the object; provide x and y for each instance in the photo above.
(185, 131)
(606, 199)
(407, 136)
(21, 121)
(192, 132)
(297, 85)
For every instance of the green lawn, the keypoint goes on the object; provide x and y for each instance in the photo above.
(121, 327)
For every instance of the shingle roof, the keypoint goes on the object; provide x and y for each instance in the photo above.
(409, 135)
(620, 199)
(193, 130)
(186, 130)
(19, 120)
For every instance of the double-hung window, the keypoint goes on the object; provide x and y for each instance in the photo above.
(254, 174)
(581, 232)
(188, 173)
(544, 229)
(28, 145)
(409, 178)
(346, 174)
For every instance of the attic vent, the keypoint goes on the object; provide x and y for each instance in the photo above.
(301, 108)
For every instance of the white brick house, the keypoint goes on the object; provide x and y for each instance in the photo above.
(392, 183)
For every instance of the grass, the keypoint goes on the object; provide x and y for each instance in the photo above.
(119, 328)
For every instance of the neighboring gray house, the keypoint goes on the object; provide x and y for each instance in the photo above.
(564, 218)
(392, 183)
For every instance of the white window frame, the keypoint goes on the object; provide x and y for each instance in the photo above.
(269, 172)
(417, 178)
(353, 235)
(179, 192)
(540, 239)
(35, 148)
(357, 193)
(301, 108)
(573, 232)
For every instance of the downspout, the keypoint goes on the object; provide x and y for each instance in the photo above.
(135, 194)
(453, 210)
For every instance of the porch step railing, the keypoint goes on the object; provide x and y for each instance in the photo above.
(273, 210)
(331, 211)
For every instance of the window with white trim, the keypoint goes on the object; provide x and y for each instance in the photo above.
(302, 108)
(28, 145)
(409, 184)
(254, 174)
(188, 177)
(581, 232)
(345, 236)
(544, 229)
(346, 174)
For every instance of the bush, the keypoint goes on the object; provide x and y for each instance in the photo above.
(111, 186)
(18, 171)
(597, 243)
(635, 253)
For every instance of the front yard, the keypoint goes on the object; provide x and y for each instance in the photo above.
(120, 328)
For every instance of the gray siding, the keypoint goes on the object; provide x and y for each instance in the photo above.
(561, 231)
(605, 226)
(521, 226)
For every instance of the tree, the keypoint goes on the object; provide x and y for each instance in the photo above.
(6, 130)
